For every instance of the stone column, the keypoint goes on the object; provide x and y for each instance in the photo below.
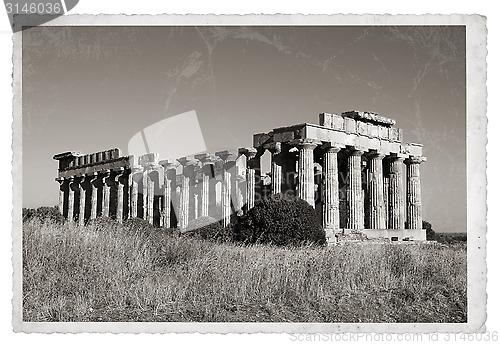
(306, 170)
(414, 197)
(276, 167)
(207, 162)
(250, 154)
(169, 185)
(61, 194)
(105, 193)
(188, 164)
(81, 213)
(145, 198)
(386, 194)
(119, 195)
(331, 216)
(134, 190)
(93, 197)
(226, 157)
(290, 157)
(150, 196)
(396, 194)
(354, 191)
(376, 219)
(237, 195)
(236, 190)
(71, 199)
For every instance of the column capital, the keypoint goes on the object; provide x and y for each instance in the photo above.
(415, 160)
(330, 147)
(355, 151)
(120, 172)
(187, 161)
(205, 158)
(305, 143)
(135, 169)
(61, 180)
(225, 155)
(169, 166)
(274, 148)
(92, 176)
(393, 157)
(249, 152)
(372, 154)
(148, 159)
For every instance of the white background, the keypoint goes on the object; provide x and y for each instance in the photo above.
(486, 8)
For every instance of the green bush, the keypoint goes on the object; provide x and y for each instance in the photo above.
(280, 220)
(44, 214)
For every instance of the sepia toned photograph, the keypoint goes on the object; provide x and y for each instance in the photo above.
(246, 177)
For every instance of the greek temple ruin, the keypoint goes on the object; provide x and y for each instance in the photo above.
(352, 168)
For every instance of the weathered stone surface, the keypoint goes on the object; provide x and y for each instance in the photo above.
(354, 191)
(71, 199)
(105, 193)
(337, 122)
(186, 200)
(376, 207)
(349, 125)
(372, 130)
(362, 128)
(276, 167)
(261, 138)
(169, 188)
(396, 194)
(326, 120)
(414, 197)
(226, 155)
(369, 117)
(62, 187)
(148, 159)
(207, 162)
(331, 216)
(306, 169)
(253, 165)
(383, 132)
(120, 186)
(81, 202)
(393, 134)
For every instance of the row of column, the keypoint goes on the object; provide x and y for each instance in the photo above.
(193, 194)
(378, 199)
(386, 195)
(92, 194)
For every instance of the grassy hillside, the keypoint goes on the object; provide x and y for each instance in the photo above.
(111, 272)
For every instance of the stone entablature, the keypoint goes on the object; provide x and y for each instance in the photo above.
(350, 166)
(77, 164)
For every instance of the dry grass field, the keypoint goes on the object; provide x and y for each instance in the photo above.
(112, 272)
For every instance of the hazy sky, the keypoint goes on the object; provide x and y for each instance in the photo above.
(92, 88)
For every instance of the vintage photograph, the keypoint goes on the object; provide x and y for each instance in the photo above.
(263, 174)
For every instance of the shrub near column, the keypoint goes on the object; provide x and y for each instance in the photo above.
(209, 228)
(280, 220)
